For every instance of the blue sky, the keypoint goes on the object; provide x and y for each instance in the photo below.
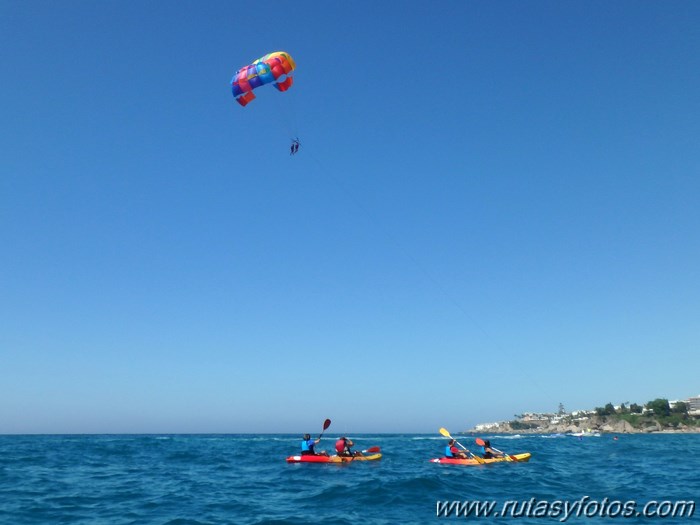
(496, 208)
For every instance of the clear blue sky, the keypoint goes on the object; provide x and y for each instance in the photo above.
(496, 208)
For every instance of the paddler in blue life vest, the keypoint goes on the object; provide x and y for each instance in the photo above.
(487, 452)
(342, 447)
(308, 444)
(451, 451)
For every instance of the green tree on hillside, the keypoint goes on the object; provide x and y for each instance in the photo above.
(660, 407)
(680, 408)
(607, 410)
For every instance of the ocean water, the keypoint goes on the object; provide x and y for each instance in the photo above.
(244, 479)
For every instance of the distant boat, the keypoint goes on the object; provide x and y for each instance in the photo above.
(584, 434)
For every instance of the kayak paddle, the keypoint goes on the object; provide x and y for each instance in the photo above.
(445, 433)
(326, 424)
(372, 450)
(508, 457)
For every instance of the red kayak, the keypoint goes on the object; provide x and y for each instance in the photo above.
(331, 459)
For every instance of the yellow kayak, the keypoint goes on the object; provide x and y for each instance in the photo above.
(521, 458)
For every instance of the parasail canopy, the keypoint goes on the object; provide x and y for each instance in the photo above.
(274, 68)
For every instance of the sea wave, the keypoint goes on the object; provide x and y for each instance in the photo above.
(244, 479)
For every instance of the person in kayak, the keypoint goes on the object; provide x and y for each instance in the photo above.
(342, 447)
(487, 452)
(308, 444)
(451, 451)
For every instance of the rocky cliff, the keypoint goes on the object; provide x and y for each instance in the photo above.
(606, 424)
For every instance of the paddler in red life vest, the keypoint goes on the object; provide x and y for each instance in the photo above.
(342, 447)
(451, 451)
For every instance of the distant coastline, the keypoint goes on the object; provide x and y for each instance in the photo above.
(602, 425)
(657, 416)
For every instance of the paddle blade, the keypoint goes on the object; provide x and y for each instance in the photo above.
(373, 449)
(480, 442)
(445, 433)
(326, 424)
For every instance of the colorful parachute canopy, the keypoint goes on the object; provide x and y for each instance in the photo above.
(270, 68)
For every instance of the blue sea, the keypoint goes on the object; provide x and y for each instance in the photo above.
(244, 479)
